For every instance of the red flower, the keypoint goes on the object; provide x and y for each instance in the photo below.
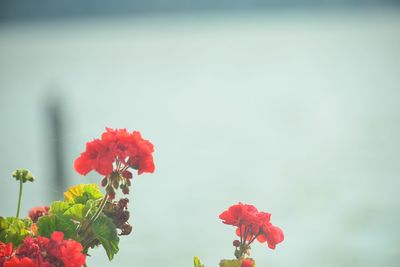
(24, 262)
(44, 252)
(33, 248)
(247, 218)
(141, 158)
(272, 234)
(116, 146)
(247, 263)
(36, 212)
(6, 251)
(238, 214)
(98, 156)
(71, 254)
(68, 251)
(251, 225)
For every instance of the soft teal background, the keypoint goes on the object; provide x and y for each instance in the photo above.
(296, 112)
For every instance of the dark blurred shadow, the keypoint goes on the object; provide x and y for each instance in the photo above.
(56, 159)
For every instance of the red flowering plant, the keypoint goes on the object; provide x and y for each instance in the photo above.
(251, 225)
(62, 233)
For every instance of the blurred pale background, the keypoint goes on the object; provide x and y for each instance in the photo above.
(293, 110)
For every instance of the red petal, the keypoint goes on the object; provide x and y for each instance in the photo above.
(83, 165)
(57, 236)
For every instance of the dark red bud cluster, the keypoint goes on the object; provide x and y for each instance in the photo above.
(118, 212)
(117, 180)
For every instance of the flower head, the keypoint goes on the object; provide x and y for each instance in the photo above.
(69, 252)
(44, 252)
(116, 146)
(36, 212)
(251, 224)
(23, 175)
(238, 214)
(113, 155)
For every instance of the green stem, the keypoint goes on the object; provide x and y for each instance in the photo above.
(101, 207)
(86, 240)
(82, 228)
(19, 197)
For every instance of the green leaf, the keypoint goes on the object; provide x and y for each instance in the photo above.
(58, 207)
(56, 222)
(106, 232)
(76, 212)
(82, 193)
(14, 230)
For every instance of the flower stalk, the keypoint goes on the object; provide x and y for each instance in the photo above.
(19, 198)
(100, 209)
(22, 175)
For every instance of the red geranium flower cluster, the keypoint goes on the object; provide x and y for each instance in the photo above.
(112, 156)
(251, 225)
(116, 146)
(6, 251)
(43, 252)
(36, 212)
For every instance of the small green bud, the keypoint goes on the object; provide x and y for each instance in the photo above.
(23, 175)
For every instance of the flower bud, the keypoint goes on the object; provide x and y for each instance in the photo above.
(23, 175)
(126, 229)
(111, 196)
(123, 203)
(124, 216)
(236, 243)
(127, 174)
(125, 190)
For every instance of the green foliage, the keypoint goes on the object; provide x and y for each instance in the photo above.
(65, 217)
(82, 193)
(197, 262)
(58, 207)
(14, 230)
(106, 232)
(57, 222)
(75, 212)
